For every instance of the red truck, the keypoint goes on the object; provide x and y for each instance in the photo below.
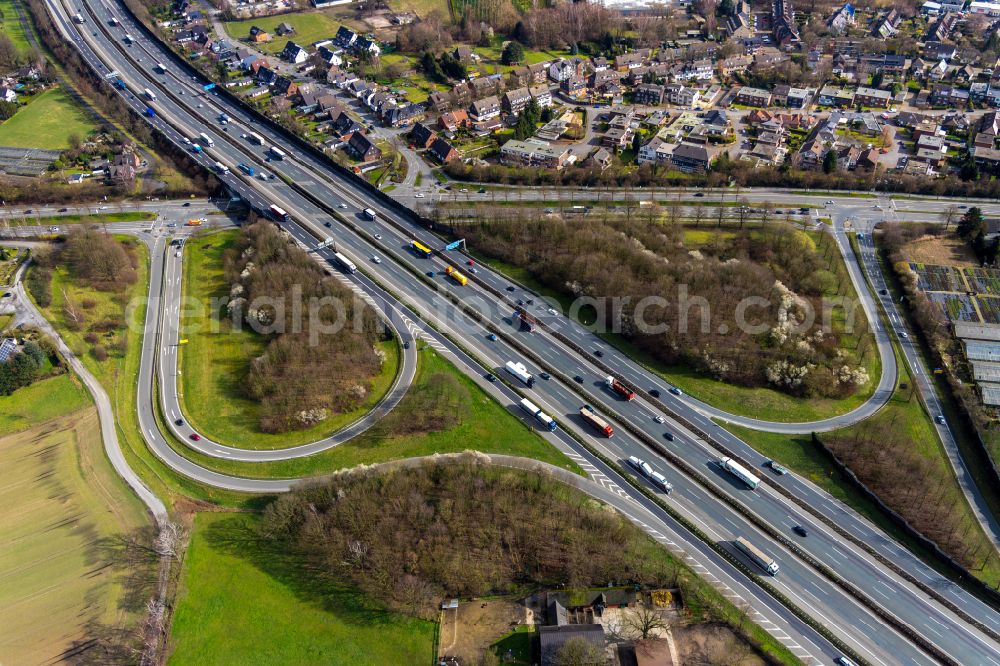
(591, 417)
(619, 388)
(528, 322)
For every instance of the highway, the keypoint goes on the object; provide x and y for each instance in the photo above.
(399, 273)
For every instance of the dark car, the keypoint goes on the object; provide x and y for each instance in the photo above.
(545, 375)
(884, 292)
(196, 437)
(669, 435)
(187, 204)
(801, 531)
(327, 224)
(510, 288)
(430, 273)
(482, 190)
(63, 210)
(179, 422)
(578, 379)
(654, 392)
(520, 301)
(598, 353)
(490, 377)
(406, 345)
(530, 301)
(699, 194)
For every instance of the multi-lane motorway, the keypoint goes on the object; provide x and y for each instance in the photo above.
(318, 196)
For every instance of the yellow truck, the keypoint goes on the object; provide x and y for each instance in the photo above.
(193, 223)
(456, 276)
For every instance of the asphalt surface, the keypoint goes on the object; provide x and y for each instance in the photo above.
(960, 641)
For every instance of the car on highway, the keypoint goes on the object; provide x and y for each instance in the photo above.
(179, 422)
(490, 377)
(470, 262)
(430, 273)
(544, 375)
(654, 392)
(829, 201)
(492, 337)
(327, 224)
(904, 335)
(781, 470)
(378, 236)
(510, 288)
(844, 661)
(578, 379)
(187, 204)
(940, 419)
(598, 353)
(406, 345)
(463, 190)
(54, 230)
(196, 437)
(659, 419)
(419, 195)
(552, 311)
(676, 391)
(342, 205)
(801, 531)
(884, 292)
(699, 194)
(376, 259)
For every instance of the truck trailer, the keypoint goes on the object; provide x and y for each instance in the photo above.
(761, 559)
(740, 472)
(456, 276)
(521, 372)
(619, 388)
(533, 409)
(528, 322)
(590, 416)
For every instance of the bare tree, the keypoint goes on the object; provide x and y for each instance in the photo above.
(645, 622)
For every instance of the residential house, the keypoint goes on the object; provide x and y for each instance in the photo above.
(403, 116)
(601, 158)
(753, 97)
(8, 95)
(294, 53)
(259, 36)
(514, 101)
(422, 136)
(841, 19)
(628, 61)
(935, 51)
(885, 27)
(443, 151)
(486, 108)
(618, 138)
(786, 33)
(284, 29)
(345, 37)
(462, 53)
(716, 123)
(573, 87)
(649, 94)
(561, 70)
(361, 147)
(868, 161)
(534, 153)
(680, 95)
(655, 151)
(699, 70)
(330, 56)
(542, 96)
(365, 45)
(873, 97)
(887, 63)
(454, 120)
(284, 87)
(834, 96)
(689, 158)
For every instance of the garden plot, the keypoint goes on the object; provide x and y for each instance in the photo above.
(938, 278)
(989, 307)
(983, 280)
(957, 307)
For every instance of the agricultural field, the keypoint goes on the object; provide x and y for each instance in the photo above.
(47, 121)
(949, 287)
(241, 602)
(62, 502)
(216, 358)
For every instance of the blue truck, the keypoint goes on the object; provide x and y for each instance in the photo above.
(245, 168)
(150, 111)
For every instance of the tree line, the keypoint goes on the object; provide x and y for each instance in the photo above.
(413, 536)
(790, 271)
(318, 361)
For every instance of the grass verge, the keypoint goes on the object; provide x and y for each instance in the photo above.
(242, 602)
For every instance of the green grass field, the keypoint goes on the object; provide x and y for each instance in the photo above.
(10, 25)
(439, 392)
(59, 498)
(242, 603)
(214, 364)
(46, 122)
(42, 401)
(309, 27)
